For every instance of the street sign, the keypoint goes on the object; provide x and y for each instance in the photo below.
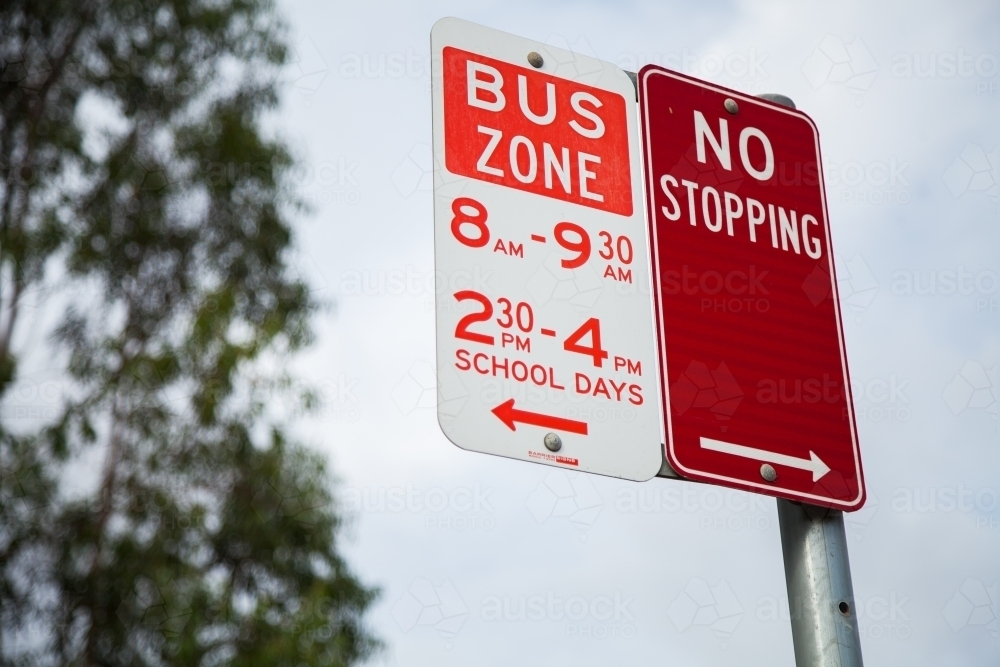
(753, 366)
(545, 347)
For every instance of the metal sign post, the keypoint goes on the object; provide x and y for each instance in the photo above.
(818, 579)
(818, 575)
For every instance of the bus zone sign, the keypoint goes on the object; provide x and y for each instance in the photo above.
(550, 357)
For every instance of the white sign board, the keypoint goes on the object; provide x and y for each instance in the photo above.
(544, 317)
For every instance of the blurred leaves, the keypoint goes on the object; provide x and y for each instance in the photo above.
(136, 178)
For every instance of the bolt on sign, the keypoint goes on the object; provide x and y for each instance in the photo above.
(751, 347)
(549, 355)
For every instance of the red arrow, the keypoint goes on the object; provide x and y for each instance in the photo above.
(508, 414)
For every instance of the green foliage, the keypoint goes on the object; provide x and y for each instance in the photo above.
(134, 171)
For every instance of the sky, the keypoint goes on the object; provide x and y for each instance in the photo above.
(906, 97)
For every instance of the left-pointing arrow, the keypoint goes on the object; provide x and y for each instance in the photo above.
(508, 414)
(814, 464)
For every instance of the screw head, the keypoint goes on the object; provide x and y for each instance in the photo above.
(783, 100)
(731, 105)
(553, 442)
(768, 472)
(535, 59)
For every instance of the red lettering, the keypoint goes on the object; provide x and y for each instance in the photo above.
(601, 388)
(618, 389)
(552, 379)
(475, 362)
(503, 366)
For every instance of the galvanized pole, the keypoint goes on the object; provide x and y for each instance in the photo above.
(818, 579)
(818, 575)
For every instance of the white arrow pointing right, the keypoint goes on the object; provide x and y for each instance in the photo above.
(813, 463)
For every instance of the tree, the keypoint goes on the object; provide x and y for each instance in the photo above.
(139, 189)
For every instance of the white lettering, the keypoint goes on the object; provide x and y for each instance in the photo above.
(488, 152)
(789, 230)
(768, 169)
(475, 84)
(691, 186)
(721, 149)
(774, 229)
(598, 130)
(532, 161)
(812, 245)
(586, 175)
(550, 102)
(706, 192)
(755, 213)
(561, 167)
(667, 178)
(734, 209)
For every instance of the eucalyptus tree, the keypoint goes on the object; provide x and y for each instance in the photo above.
(144, 206)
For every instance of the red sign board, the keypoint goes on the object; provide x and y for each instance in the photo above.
(528, 130)
(753, 365)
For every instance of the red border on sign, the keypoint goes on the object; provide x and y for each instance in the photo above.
(770, 488)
